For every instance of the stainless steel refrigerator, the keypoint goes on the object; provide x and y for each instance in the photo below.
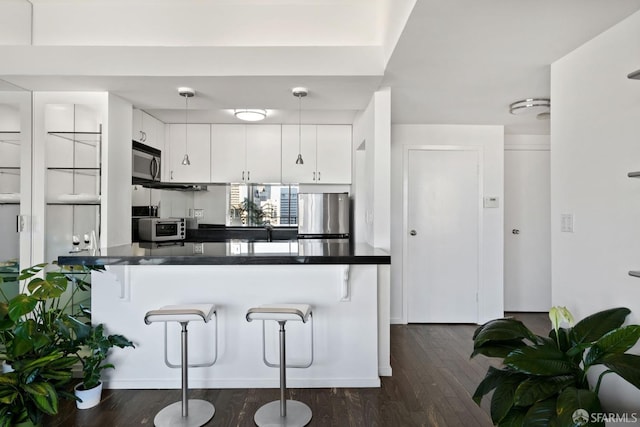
(323, 223)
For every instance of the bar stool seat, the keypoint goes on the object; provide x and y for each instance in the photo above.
(283, 412)
(187, 412)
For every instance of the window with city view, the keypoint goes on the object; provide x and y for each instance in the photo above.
(260, 204)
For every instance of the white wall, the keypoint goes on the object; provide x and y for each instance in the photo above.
(595, 142)
(15, 22)
(117, 168)
(214, 201)
(491, 141)
(372, 133)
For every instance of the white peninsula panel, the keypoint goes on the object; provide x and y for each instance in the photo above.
(345, 324)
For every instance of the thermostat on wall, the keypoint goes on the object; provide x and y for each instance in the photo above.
(491, 202)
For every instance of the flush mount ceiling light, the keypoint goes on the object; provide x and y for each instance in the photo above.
(299, 92)
(250, 115)
(539, 106)
(187, 93)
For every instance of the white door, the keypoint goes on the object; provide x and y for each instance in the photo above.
(443, 217)
(527, 234)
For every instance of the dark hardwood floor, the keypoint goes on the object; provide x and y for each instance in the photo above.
(432, 384)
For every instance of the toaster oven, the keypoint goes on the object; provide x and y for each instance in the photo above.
(162, 229)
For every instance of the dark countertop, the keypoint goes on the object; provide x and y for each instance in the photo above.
(232, 252)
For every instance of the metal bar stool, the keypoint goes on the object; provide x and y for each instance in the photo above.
(187, 412)
(282, 412)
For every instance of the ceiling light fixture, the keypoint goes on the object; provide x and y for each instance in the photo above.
(187, 93)
(299, 92)
(250, 115)
(539, 106)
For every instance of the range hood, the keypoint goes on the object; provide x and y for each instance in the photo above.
(169, 185)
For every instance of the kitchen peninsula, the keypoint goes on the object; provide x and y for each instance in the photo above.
(339, 280)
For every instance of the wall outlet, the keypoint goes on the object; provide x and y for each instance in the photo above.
(198, 248)
(198, 213)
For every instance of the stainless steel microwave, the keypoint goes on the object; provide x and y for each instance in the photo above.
(162, 229)
(145, 165)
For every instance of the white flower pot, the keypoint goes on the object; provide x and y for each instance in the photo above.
(90, 398)
(6, 368)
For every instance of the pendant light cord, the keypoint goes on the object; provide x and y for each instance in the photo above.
(299, 125)
(186, 121)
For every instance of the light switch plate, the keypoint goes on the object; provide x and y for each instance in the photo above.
(566, 223)
(491, 202)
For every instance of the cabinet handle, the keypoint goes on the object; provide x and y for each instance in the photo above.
(248, 175)
(318, 175)
(171, 177)
(144, 136)
(314, 176)
(243, 175)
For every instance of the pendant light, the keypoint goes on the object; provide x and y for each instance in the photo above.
(187, 93)
(299, 92)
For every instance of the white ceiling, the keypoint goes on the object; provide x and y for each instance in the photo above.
(456, 62)
(465, 61)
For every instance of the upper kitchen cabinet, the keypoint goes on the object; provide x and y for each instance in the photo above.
(196, 142)
(147, 129)
(245, 153)
(325, 149)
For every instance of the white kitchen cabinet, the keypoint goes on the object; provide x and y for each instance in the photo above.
(325, 149)
(245, 153)
(197, 144)
(333, 154)
(147, 129)
(291, 172)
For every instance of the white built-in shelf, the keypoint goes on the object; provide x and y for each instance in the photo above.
(86, 138)
(10, 136)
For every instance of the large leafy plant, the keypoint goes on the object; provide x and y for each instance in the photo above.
(39, 336)
(98, 345)
(543, 380)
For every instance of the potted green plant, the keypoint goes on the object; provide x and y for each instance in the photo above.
(37, 334)
(543, 380)
(93, 355)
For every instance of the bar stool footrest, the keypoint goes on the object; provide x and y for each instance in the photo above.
(200, 412)
(298, 414)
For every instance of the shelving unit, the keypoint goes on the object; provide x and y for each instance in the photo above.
(77, 181)
(9, 192)
(634, 273)
(10, 137)
(74, 175)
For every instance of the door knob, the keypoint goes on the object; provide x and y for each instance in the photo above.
(515, 231)
(413, 232)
